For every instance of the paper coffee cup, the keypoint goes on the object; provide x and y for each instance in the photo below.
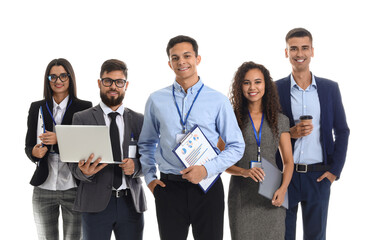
(306, 118)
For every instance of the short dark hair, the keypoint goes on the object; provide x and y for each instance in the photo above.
(181, 39)
(114, 65)
(48, 92)
(298, 32)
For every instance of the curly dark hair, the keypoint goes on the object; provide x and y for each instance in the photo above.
(270, 100)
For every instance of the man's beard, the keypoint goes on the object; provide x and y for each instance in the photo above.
(111, 101)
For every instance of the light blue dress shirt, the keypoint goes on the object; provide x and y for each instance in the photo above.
(308, 149)
(212, 112)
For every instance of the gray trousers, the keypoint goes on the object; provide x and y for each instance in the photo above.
(47, 205)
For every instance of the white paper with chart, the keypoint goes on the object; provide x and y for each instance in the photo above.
(195, 149)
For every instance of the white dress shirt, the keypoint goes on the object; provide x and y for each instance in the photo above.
(60, 177)
(120, 123)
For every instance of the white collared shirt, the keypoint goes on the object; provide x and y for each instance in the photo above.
(60, 177)
(120, 123)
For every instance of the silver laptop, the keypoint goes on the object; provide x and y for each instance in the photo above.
(77, 142)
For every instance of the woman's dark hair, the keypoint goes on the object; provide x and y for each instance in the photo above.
(270, 100)
(48, 92)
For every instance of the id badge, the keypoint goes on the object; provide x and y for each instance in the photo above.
(179, 137)
(132, 150)
(256, 164)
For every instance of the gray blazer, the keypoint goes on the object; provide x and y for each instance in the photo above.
(94, 193)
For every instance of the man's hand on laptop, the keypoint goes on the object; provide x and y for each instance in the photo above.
(89, 168)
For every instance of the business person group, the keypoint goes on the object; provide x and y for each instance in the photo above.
(297, 124)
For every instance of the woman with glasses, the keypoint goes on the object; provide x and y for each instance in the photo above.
(54, 185)
(256, 105)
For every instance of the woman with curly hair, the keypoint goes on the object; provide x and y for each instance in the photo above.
(256, 105)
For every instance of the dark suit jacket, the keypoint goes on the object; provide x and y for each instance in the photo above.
(94, 193)
(42, 171)
(334, 129)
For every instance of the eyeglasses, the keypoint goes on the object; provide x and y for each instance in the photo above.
(63, 77)
(107, 82)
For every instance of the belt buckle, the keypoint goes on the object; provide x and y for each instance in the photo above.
(117, 194)
(301, 171)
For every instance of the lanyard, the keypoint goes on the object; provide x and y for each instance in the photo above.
(50, 113)
(258, 139)
(188, 113)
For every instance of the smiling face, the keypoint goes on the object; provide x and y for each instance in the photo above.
(112, 96)
(59, 87)
(299, 51)
(253, 86)
(183, 61)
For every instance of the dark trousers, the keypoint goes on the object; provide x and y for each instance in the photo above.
(314, 199)
(181, 204)
(119, 216)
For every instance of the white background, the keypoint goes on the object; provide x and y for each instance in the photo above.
(228, 32)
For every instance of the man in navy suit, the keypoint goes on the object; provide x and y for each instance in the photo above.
(319, 145)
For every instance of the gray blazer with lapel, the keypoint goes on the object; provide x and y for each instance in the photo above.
(94, 193)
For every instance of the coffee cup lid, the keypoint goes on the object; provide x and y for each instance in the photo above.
(306, 117)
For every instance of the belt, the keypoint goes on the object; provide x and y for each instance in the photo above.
(317, 167)
(172, 177)
(120, 193)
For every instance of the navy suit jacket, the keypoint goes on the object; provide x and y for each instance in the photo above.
(333, 125)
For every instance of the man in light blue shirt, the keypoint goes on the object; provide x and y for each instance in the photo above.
(169, 113)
